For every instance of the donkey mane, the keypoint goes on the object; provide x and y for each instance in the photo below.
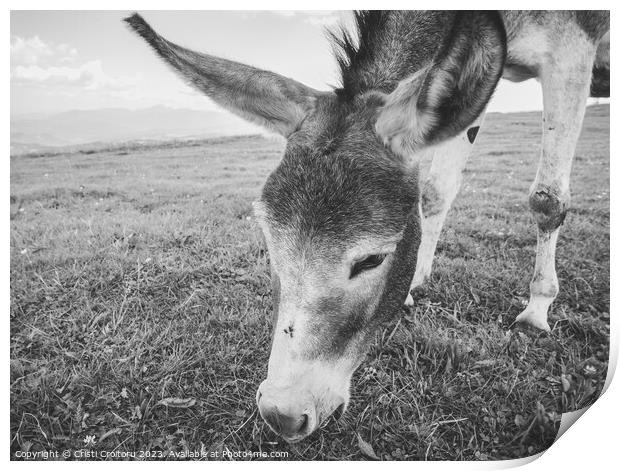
(385, 47)
(353, 51)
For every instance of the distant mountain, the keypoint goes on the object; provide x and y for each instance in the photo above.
(37, 132)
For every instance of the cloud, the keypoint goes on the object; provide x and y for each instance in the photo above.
(33, 51)
(86, 76)
(48, 76)
(56, 67)
(286, 13)
(313, 17)
(323, 18)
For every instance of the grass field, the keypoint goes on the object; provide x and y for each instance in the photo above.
(140, 307)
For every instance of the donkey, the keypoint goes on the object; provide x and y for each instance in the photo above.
(348, 231)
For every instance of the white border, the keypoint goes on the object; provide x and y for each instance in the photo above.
(591, 444)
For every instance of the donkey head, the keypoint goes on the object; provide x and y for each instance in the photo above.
(340, 213)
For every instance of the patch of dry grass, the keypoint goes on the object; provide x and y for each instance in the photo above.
(138, 275)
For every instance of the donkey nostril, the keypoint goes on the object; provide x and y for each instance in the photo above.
(303, 424)
(287, 425)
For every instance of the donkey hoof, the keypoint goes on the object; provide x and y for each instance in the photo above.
(409, 300)
(534, 319)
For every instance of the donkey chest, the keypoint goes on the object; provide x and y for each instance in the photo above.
(527, 46)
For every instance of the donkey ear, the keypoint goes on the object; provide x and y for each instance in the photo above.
(441, 100)
(265, 98)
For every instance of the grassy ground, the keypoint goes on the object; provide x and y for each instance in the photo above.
(138, 275)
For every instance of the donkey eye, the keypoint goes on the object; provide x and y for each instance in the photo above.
(373, 261)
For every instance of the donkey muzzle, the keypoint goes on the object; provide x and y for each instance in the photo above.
(289, 412)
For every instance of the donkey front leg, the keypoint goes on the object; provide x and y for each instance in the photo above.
(565, 78)
(438, 193)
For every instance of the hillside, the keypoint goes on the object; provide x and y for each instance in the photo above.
(139, 275)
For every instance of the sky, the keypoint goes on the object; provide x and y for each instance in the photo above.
(63, 60)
